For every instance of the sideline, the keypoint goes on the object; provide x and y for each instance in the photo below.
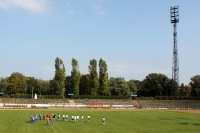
(11, 121)
(53, 129)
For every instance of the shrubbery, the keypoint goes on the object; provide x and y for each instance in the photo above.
(29, 96)
(97, 97)
(167, 98)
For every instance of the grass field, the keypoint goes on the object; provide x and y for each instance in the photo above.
(117, 121)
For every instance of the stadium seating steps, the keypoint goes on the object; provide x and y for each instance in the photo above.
(173, 104)
(34, 101)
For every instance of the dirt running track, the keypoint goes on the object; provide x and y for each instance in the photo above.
(189, 111)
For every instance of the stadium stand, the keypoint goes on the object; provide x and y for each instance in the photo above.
(103, 101)
(34, 101)
(170, 104)
(99, 103)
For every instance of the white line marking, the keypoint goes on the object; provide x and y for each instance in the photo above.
(11, 121)
(53, 129)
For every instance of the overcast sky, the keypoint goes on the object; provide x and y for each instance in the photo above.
(134, 37)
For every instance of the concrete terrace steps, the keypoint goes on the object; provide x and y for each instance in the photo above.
(104, 101)
(173, 104)
(33, 101)
(184, 104)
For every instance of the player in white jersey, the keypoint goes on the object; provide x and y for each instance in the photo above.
(77, 117)
(72, 118)
(88, 118)
(66, 117)
(54, 116)
(103, 121)
(82, 118)
(63, 117)
(58, 116)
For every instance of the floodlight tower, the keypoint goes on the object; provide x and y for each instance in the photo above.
(174, 12)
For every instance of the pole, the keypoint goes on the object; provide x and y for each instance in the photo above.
(174, 11)
(32, 92)
(25, 91)
(198, 91)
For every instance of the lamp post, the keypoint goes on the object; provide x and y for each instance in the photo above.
(32, 92)
(198, 91)
(25, 91)
(174, 13)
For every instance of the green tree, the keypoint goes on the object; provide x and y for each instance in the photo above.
(138, 85)
(103, 79)
(195, 85)
(94, 83)
(75, 77)
(58, 82)
(132, 86)
(31, 85)
(184, 90)
(156, 85)
(68, 85)
(16, 83)
(39, 86)
(3, 85)
(85, 85)
(119, 87)
(42, 87)
(54, 87)
(45, 87)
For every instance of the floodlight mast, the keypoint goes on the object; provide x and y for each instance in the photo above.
(174, 12)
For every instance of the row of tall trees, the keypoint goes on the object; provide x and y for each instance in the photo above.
(95, 84)
(58, 82)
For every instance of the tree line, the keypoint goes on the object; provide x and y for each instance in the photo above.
(94, 84)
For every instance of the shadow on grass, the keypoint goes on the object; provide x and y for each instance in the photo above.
(45, 124)
(29, 122)
(165, 119)
(183, 123)
(182, 118)
(196, 124)
(100, 124)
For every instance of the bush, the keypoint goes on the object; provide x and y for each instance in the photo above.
(97, 97)
(145, 98)
(17, 95)
(51, 97)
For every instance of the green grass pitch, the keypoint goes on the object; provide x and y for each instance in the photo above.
(117, 121)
